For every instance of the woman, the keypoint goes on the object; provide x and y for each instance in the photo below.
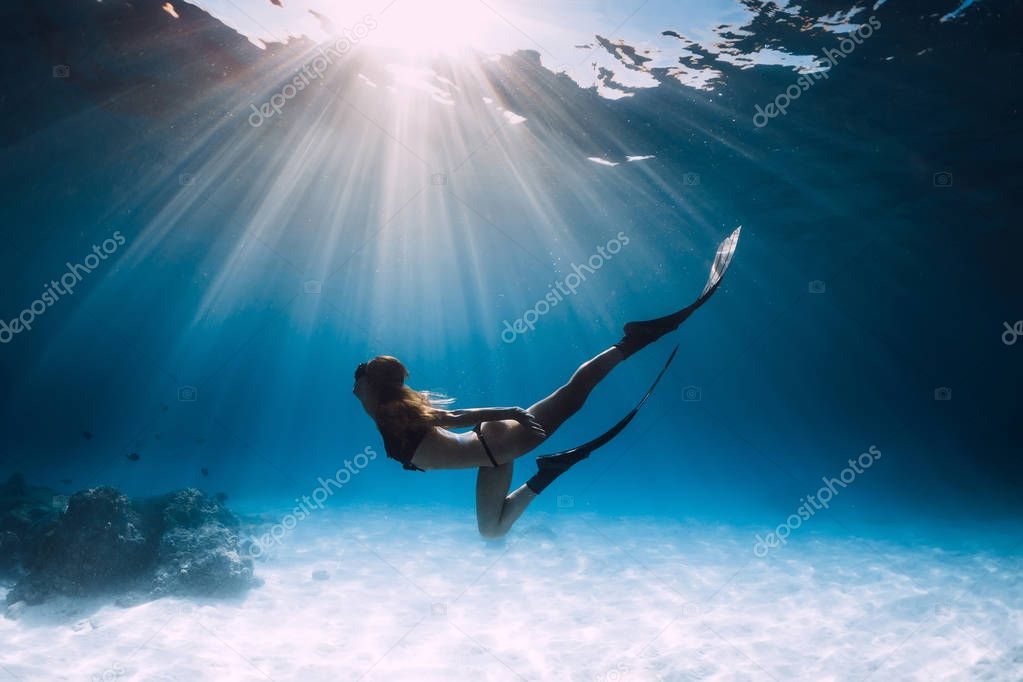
(415, 428)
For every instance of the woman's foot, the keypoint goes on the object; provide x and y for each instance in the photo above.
(639, 335)
(549, 467)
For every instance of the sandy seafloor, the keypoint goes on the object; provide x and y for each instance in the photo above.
(414, 594)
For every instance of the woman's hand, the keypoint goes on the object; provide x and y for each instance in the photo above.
(529, 421)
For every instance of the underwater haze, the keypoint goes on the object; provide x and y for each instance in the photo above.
(215, 210)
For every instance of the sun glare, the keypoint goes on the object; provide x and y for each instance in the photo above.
(444, 26)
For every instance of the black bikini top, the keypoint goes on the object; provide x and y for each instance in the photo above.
(401, 446)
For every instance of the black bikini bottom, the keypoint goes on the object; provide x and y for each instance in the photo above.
(486, 448)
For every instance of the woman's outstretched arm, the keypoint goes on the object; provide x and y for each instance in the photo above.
(457, 418)
(473, 417)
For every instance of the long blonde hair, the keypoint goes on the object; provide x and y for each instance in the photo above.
(399, 407)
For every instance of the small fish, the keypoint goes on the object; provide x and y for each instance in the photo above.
(156, 436)
(66, 481)
(221, 497)
(205, 471)
(164, 408)
(134, 457)
(87, 435)
(200, 441)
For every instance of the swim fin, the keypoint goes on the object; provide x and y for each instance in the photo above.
(639, 335)
(552, 466)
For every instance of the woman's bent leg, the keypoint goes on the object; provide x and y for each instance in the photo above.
(496, 510)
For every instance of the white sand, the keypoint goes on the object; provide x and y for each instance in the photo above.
(415, 595)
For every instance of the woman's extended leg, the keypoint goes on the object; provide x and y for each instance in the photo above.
(509, 440)
(553, 410)
(496, 510)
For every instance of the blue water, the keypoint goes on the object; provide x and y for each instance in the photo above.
(412, 211)
(208, 290)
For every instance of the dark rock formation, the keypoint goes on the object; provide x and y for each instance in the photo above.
(26, 513)
(198, 550)
(201, 561)
(183, 543)
(97, 545)
(191, 508)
